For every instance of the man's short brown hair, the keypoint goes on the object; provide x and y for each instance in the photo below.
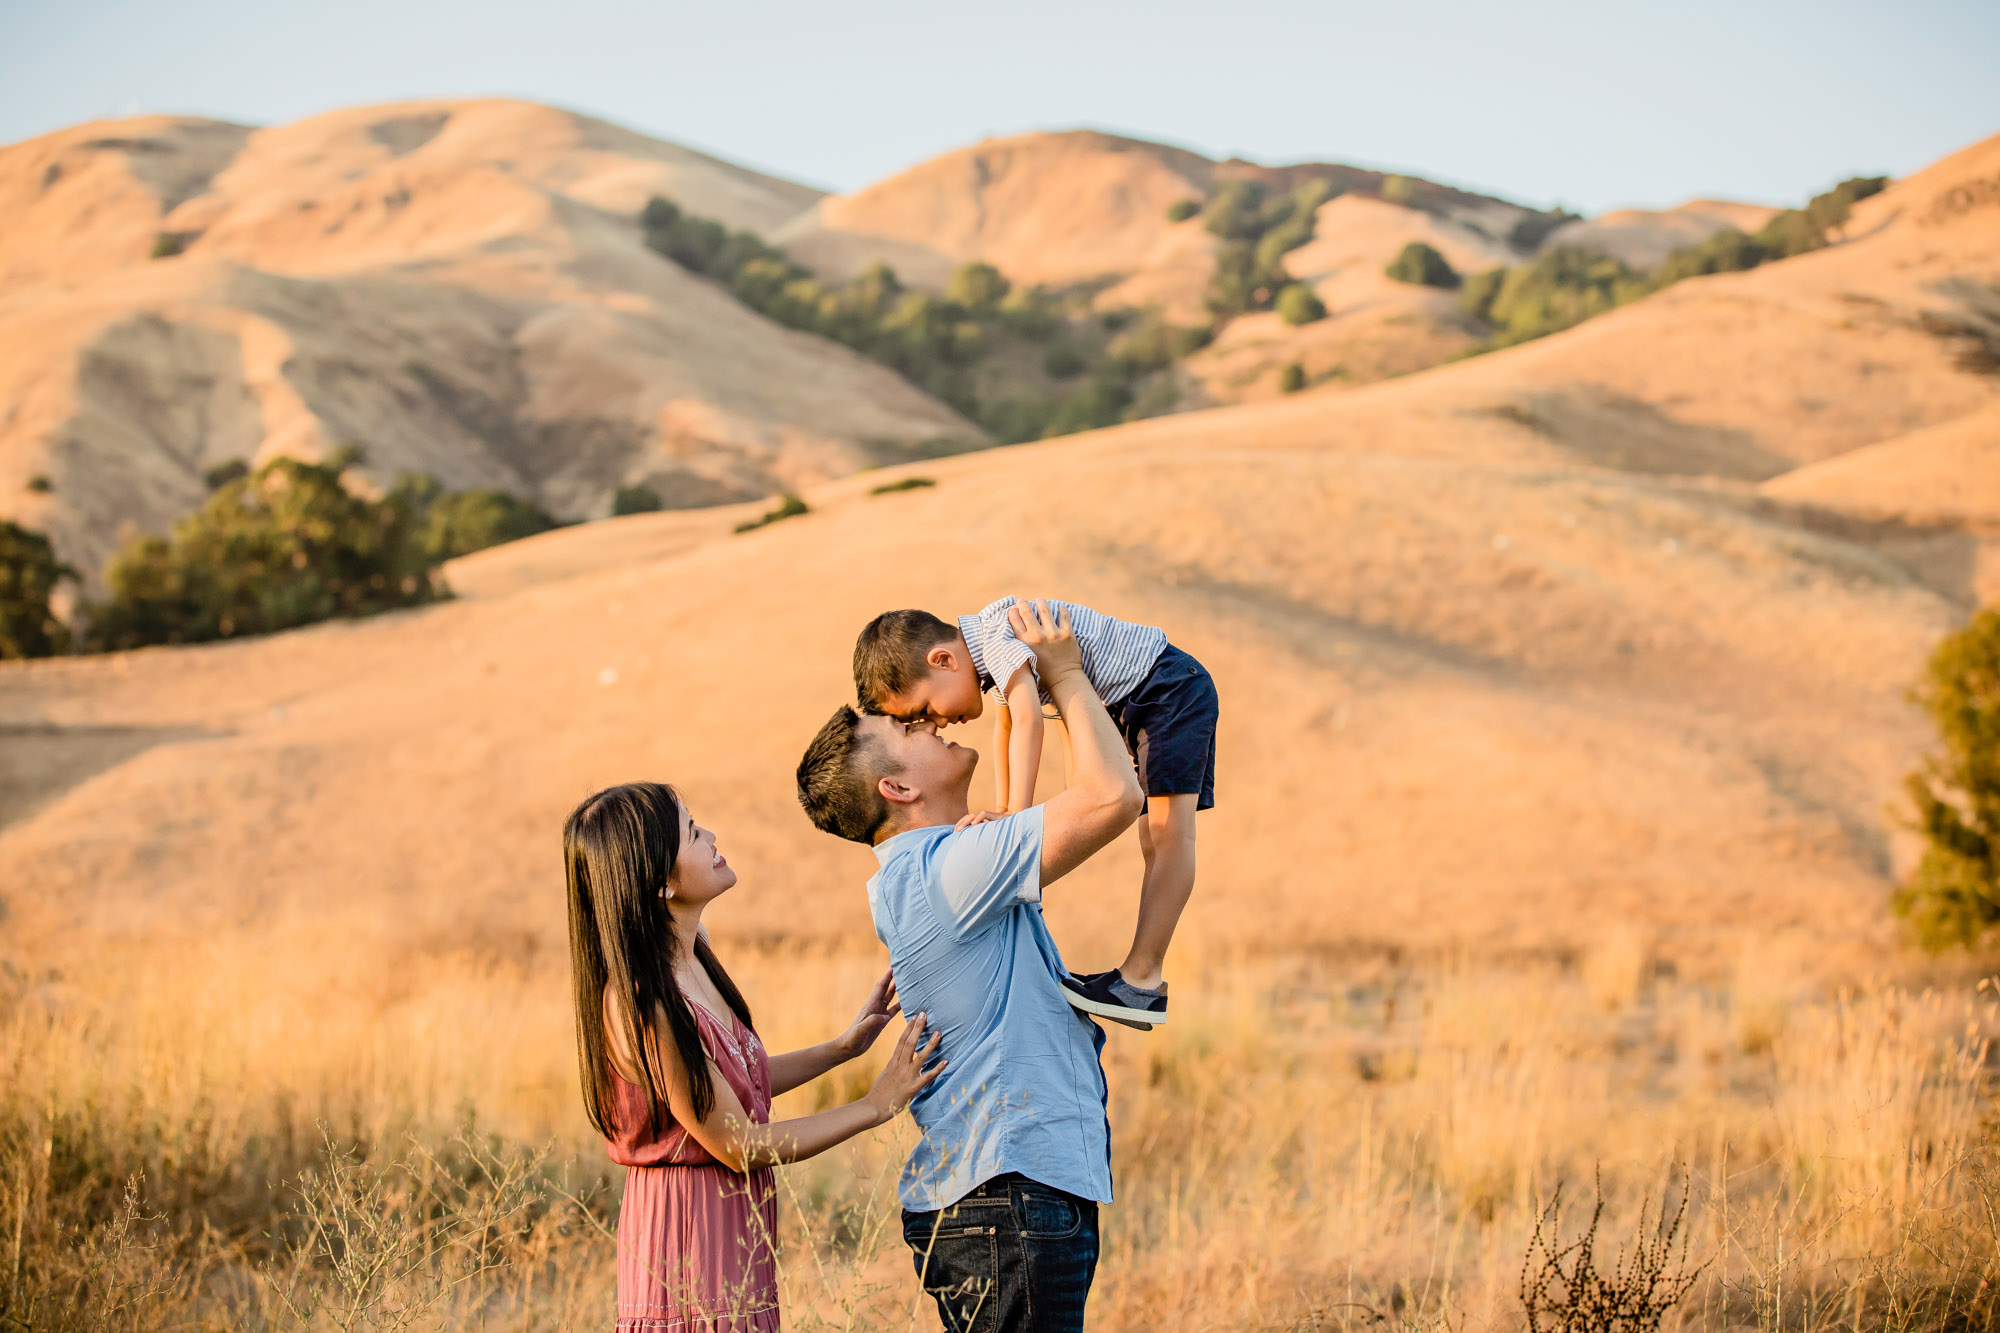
(839, 777)
(889, 655)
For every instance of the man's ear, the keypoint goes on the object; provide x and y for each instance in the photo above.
(941, 657)
(896, 791)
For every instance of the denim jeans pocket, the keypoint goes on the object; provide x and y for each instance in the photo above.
(1046, 1215)
(959, 1266)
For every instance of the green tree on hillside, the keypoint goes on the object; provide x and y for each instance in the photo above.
(1257, 233)
(1563, 287)
(635, 500)
(29, 574)
(1954, 895)
(1299, 304)
(962, 347)
(456, 523)
(977, 287)
(288, 545)
(1423, 266)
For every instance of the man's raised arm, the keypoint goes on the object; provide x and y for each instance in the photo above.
(1103, 797)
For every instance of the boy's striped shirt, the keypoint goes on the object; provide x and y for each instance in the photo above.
(1117, 656)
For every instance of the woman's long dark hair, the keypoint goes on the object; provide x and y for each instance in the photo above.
(619, 849)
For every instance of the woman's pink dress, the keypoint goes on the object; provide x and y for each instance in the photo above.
(695, 1239)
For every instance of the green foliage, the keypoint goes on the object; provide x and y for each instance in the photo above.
(467, 521)
(905, 484)
(1563, 287)
(1423, 266)
(977, 287)
(1299, 304)
(170, 243)
(1031, 313)
(1399, 190)
(1101, 402)
(1953, 898)
(1146, 344)
(1256, 236)
(222, 474)
(1292, 378)
(286, 546)
(1236, 211)
(1568, 285)
(1183, 209)
(1062, 361)
(40, 484)
(29, 573)
(949, 346)
(635, 500)
(1529, 233)
(1795, 231)
(790, 507)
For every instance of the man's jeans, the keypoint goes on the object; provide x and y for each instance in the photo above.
(1013, 1256)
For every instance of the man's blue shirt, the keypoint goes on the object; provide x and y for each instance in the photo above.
(961, 913)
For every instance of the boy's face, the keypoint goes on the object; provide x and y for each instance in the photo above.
(948, 695)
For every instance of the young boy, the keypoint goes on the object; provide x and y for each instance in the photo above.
(915, 667)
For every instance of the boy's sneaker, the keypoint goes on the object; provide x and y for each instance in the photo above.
(1109, 995)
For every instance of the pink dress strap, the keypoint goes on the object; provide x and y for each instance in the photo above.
(696, 1240)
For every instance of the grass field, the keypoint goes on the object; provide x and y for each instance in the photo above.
(291, 1136)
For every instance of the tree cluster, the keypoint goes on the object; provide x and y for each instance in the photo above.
(1566, 286)
(287, 544)
(1256, 233)
(968, 347)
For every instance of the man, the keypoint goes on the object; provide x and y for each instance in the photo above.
(1000, 1196)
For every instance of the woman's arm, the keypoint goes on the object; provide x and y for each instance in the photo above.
(796, 1068)
(742, 1145)
(1024, 750)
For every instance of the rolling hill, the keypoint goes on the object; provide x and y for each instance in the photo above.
(1513, 651)
(459, 287)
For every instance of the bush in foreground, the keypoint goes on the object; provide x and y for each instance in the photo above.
(1953, 898)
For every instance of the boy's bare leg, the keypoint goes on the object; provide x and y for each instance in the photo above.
(1166, 839)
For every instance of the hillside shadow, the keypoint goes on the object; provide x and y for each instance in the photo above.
(40, 762)
(1625, 434)
(1941, 555)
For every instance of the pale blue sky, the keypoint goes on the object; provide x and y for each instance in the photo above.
(1590, 104)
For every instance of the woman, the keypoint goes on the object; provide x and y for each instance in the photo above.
(675, 1078)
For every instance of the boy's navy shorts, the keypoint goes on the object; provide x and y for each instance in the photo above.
(1169, 726)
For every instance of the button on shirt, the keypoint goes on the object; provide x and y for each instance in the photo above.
(1024, 1091)
(1117, 656)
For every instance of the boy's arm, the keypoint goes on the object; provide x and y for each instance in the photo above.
(1024, 748)
(1003, 725)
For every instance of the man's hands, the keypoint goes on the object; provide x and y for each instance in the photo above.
(876, 1011)
(1048, 633)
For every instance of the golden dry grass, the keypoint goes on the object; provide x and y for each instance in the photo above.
(1317, 1142)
